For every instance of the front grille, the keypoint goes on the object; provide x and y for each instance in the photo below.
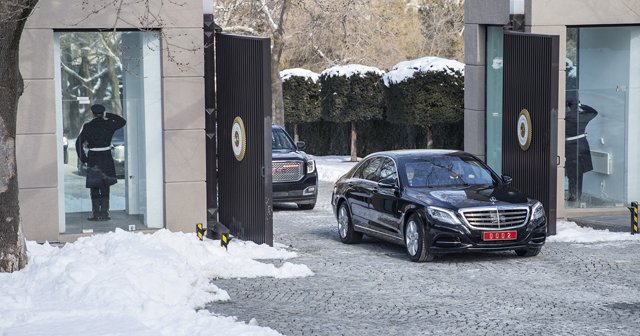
(287, 171)
(496, 218)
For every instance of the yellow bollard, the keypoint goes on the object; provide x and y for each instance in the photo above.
(634, 217)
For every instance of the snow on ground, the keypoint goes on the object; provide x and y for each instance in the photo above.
(572, 233)
(123, 283)
(331, 168)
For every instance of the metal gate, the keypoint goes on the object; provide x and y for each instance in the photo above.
(530, 117)
(243, 94)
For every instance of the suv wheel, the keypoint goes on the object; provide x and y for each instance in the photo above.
(416, 241)
(345, 226)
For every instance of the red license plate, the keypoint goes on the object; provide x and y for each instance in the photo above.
(500, 235)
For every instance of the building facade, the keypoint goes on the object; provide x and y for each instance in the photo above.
(599, 94)
(77, 53)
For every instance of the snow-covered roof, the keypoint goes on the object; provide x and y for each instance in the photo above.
(350, 70)
(407, 69)
(299, 72)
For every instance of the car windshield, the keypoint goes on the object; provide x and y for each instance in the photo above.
(446, 171)
(281, 141)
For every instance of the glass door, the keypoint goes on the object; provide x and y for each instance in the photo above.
(120, 71)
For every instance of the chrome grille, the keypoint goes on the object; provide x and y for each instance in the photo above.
(496, 218)
(287, 171)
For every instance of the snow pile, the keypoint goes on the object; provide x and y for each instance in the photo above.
(331, 168)
(407, 69)
(351, 70)
(299, 72)
(123, 283)
(572, 233)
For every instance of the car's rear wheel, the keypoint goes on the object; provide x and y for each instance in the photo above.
(416, 241)
(345, 226)
(529, 251)
(307, 206)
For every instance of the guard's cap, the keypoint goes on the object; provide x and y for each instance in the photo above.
(97, 109)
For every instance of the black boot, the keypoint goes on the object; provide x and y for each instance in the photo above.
(104, 211)
(95, 209)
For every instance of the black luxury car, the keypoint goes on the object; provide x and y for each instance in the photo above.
(436, 201)
(295, 178)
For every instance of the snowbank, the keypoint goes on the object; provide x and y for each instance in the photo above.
(123, 283)
(572, 233)
(331, 168)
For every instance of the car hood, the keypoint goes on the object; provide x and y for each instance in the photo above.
(278, 155)
(468, 197)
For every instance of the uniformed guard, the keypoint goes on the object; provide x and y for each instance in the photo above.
(101, 171)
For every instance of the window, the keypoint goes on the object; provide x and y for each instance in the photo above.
(388, 170)
(601, 109)
(441, 171)
(368, 169)
(494, 71)
(122, 72)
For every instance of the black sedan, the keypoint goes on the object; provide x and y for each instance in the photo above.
(436, 201)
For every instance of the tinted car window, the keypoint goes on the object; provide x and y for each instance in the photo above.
(388, 170)
(370, 172)
(281, 141)
(440, 171)
(368, 169)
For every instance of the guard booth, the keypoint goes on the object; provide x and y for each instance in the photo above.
(238, 130)
(530, 117)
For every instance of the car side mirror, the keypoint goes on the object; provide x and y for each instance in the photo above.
(507, 179)
(300, 144)
(388, 183)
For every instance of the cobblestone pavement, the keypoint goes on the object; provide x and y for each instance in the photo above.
(373, 289)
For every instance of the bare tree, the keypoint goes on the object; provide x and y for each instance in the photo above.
(442, 27)
(262, 18)
(13, 15)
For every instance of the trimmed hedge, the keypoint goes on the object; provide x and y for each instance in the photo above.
(352, 98)
(403, 115)
(301, 97)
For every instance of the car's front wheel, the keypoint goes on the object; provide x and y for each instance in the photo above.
(345, 226)
(528, 252)
(416, 241)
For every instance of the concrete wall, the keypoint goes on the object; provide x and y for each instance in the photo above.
(38, 144)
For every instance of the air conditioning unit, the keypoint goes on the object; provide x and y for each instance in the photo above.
(602, 162)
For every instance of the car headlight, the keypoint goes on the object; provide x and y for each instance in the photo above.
(538, 211)
(311, 166)
(443, 215)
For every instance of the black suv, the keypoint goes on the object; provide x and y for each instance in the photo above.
(295, 178)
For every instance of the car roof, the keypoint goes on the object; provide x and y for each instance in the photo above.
(408, 153)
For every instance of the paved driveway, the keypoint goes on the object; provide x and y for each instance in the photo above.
(372, 288)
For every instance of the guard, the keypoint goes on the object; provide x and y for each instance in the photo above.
(101, 171)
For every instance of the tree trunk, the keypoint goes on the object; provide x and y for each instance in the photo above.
(296, 137)
(429, 138)
(354, 141)
(277, 47)
(13, 251)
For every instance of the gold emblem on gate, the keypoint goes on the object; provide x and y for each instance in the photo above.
(238, 138)
(524, 129)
